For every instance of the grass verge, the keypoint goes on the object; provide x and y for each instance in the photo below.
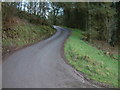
(21, 35)
(91, 61)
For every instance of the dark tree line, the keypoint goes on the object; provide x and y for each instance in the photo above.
(97, 19)
(100, 20)
(118, 24)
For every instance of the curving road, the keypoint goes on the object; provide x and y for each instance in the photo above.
(41, 66)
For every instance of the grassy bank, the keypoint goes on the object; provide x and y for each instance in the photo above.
(91, 61)
(25, 34)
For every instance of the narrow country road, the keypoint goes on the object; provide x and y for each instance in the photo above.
(42, 66)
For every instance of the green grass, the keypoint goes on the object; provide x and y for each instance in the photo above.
(24, 35)
(91, 61)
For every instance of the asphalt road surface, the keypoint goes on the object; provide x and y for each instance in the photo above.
(42, 66)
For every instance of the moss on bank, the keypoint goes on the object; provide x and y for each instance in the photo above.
(21, 35)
